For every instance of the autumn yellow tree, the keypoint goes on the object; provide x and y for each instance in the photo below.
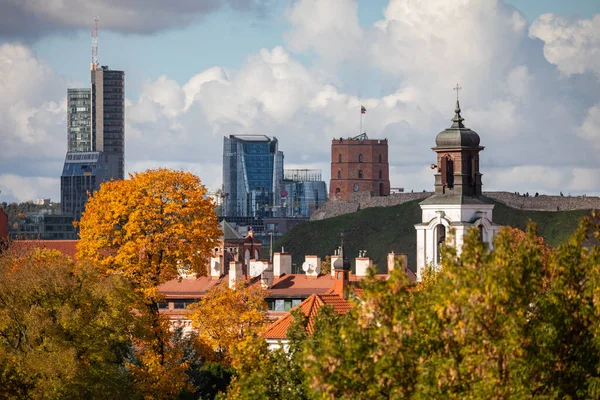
(147, 228)
(226, 317)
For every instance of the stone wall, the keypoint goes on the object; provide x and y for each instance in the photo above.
(546, 203)
(361, 200)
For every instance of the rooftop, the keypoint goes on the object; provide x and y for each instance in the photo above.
(310, 308)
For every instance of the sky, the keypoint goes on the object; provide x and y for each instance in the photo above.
(299, 70)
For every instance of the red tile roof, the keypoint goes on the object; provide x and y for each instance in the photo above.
(188, 288)
(310, 308)
(300, 284)
(64, 246)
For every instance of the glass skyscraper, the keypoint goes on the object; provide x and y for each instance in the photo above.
(252, 176)
(79, 108)
(96, 138)
(83, 172)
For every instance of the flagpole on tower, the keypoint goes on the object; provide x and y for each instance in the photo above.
(363, 110)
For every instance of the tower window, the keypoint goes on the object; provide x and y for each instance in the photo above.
(380, 175)
(356, 187)
(337, 191)
(380, 158)
(360, 158)
(340, 158)
(440, 234)
(339, 174)
(360, 174)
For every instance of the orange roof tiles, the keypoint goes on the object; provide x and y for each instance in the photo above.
(299, 284)
(188, 288)
(310, 308)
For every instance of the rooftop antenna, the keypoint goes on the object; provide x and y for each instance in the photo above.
(95, 44)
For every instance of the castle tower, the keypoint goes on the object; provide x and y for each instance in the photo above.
(458, 203)
(359, 164)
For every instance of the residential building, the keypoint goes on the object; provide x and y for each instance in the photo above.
(252, 176)
(359, 164)
(49, 225)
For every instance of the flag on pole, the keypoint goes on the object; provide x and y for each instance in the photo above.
(363, 110)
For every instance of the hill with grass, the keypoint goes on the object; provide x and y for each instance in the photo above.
(381, 230)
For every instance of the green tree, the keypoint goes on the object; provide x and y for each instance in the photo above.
(65, 330)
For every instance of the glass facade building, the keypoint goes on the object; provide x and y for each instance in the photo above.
(303, 193)
(83, 172)
(79, 108)
(252, 176)
(108, 114)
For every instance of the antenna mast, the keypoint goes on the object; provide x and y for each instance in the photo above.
(95, 44)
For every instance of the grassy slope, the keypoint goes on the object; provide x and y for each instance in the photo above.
(385, 229)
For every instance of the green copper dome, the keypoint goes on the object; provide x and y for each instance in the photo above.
(457, 135)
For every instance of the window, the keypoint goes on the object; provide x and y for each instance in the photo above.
(337, 191)
(356, 187)
(360, 158)
(381, 189)
(179, 304)
(380, 158)
(340, 158)
(296, 302)
(339, 174)
(440, 233)
(163, 305)
(360, 174)
(380, 175)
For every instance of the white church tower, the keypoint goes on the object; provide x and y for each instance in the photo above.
(457, 203)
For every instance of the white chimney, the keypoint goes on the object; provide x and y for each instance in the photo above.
(312, 266)
(216, 267)
(266, 277)
(235, 273)
(282, 264)
(363, 263)
(393, 258)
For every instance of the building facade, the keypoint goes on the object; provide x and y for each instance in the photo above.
(458, 203)
(359, 164)
(83, 172)
(108, 114)
(303, 192)
(79, 120)
(252, 176)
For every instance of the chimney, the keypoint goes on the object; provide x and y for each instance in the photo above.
(282, 264)
(363, 263)
(216, 267)
(399, 259)
(312, 266)
(235, 273)
(266, 277)
(334, 257)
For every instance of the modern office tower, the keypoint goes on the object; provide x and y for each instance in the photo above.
(108, 114)
(252, 176)
(79, 119)
(83, 172)
(359, 164)
(303, 192)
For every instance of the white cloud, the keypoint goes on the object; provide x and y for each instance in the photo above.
(329, 28)
(572, 45)
(540, 127)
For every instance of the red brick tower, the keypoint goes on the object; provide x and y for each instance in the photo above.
(359, 164)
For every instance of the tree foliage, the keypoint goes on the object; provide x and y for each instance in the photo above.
(518, 321)
(147, 229)
(225, 317)
(64, 329)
